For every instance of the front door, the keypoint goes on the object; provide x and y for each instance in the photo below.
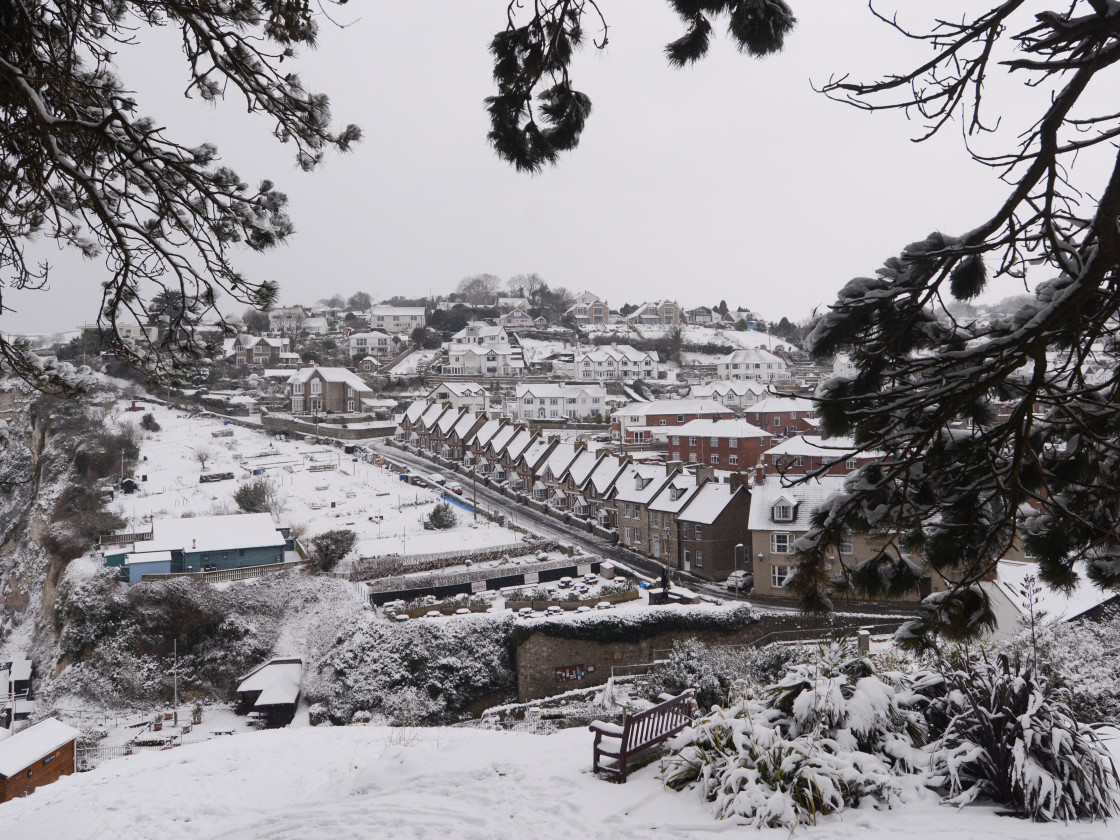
(656, 546)
(687, 563)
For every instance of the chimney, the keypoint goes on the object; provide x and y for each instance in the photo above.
(735, 481)
(759, 473)
(704, 473)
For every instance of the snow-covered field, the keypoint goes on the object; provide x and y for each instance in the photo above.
(387, 514)
(354, 782)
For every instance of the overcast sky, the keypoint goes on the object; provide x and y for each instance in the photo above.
(728, 180)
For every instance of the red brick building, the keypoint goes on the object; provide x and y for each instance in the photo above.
(734, 445)
(804, 454)
(639, 422)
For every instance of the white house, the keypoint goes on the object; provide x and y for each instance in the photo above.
(548, 401)
(316, 326)
(731, 393)
(480, 360)
(469, 395)
(479, 332)
(376, 344)
(619, 361)
(757, 364)
(588, 309)
(397, 319)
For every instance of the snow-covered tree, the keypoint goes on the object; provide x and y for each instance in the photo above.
(85, 168)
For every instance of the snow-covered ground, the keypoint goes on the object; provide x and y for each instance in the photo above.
(387, 514)
(354, 782)
(415, 362)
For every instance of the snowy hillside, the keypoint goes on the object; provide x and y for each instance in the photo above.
(359, 782)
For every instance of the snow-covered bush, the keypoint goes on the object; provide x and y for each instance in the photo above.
(442, 516)
(712, 671)
(329, 547)
(830, 734)
(1012, 738)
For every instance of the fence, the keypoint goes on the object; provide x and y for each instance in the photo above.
(124, 539)
(223, 575)
(89, 758)
(370, 567)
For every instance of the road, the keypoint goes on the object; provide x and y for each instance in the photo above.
(545, 526)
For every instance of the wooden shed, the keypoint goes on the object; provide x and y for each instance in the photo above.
(36, 756)
(271, 691)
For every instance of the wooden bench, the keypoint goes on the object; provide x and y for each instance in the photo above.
(616, 744)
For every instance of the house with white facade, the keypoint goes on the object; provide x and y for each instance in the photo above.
(730, 393)
(397, 319)
(376, 344)
(481, 333)
(555, 401)
(469, 395)
(617, 361)
(757, 364)
(484, 360)
(642, 421)
(316, 326)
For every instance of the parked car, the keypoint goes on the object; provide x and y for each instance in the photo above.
(437, 479)
(454, 488)
(739, 581)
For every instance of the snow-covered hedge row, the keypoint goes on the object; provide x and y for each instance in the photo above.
(633, 625)
(418, 671)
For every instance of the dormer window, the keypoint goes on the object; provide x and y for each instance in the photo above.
(783, 512)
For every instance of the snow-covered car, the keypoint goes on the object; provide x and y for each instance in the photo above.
(436, 478)
(739, 581)
(454, 488)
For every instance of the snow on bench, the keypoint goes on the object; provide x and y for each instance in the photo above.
(615, 744)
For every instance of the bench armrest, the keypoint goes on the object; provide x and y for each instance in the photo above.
(605, 728)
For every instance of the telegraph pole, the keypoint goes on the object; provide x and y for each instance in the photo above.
(175, 677)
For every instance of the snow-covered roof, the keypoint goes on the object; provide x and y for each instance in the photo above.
(604, 474)
(558, 390)
(486, 431)
(212, 533)
(18, 670)
(28, 746)
(752, 356)
(675, 494)
(771, 404)
(459, 389)
(465, 424)
(706, 427)
(503, 436)
(557, 462)
(640, 483)
(331, 374)
(431, 414)
(1011, 575)
(644, 409)
(581, 466)
(386, 309)
(832, 449)
(739, 387)
(447, 420)
(806, 496)
(707, 503)
(415, 409)
(277, 681)
(536, 451)
(517, 446)
(614, 352)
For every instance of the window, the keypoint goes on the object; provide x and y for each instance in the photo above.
(674, 456)
(692, 441)
(692, 457)
(699, 532)
(780, 543)
(240, 552)
(778, 421)
(699, 558)
(316, 386)
(733, 460)
(783, 513)
(850, 464)
(778, 576)
(350, 405)
(714, 441)
(626, 508)
(715, 460)
(676, 440)
(846, 545)
(660, 422)
(680, 418)
(297, 388)
(656, 519)
(297, 404)
(638, 535)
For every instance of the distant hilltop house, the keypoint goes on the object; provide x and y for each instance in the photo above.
(287, 318)
(517, 319)
(264, 350)
(201, 543)
(316, 326)
(36, 756)
(617, 361)
(482, 334)
(377, 344)
(666, 313)
(757, 364)
(484, 360)
(397, 319)
(588, 309)
(332, 390)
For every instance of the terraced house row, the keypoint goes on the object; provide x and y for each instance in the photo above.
(690, 517)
